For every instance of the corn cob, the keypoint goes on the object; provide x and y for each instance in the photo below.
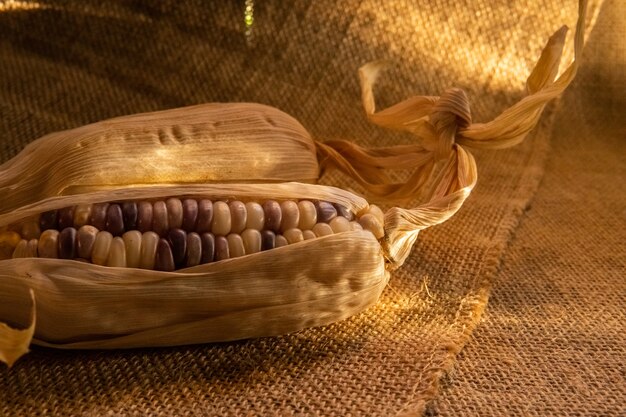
(186, 233)
(178, 227)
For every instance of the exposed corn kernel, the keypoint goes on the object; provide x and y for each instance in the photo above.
(235, 245)
(371, 223)
(251, 240)
(291, 215)
(149, 243)
(281, 241)
(48, 246)
(238, 216)
(117, 253)
(293, 235)
(132, 241)
(308, 215)
(101, 248)
(340, 224)
(8, 242)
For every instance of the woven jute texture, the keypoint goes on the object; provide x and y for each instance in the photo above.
(553, 341)
(64, 64)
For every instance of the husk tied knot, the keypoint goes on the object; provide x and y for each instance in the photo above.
(450, 113)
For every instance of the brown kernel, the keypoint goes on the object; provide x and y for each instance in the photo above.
(67, 243)
(82, 214)
(205, 216)
(159, 218)
(208, 247)
(48, 220)
(30, 230)
(117, 253)
(85, 239)
(177, 238)
(164, 260)
(291, 215)
(66, 217)
(129, 215)
(174, 213)
(48, 246)
(238, 215)
(115, 220)
(144, 216)
(268, 240)
(190, 214)
(132, 241)
(221, 248)
(32, 248)
(194, 249)
(99, 215)
(273, 215)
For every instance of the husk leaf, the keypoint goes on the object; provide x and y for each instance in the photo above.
(207, 143)
(443, 128)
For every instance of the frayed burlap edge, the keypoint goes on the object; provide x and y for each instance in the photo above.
(472, 307)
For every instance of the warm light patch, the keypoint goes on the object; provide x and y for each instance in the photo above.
(15, 5)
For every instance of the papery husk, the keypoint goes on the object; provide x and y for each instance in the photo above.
(81, 305)
(207, 143)
(443, 129)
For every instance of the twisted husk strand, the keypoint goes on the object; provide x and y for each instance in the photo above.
(218, 150)
(444, 130)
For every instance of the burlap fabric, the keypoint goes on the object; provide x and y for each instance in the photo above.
(65, 64)
(553, 341)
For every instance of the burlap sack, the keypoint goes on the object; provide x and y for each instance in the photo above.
(67, 64)
(553, 339)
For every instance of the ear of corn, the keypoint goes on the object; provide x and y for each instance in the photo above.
(259, 294)
(90, 184)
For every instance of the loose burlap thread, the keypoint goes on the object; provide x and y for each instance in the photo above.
(68, 65)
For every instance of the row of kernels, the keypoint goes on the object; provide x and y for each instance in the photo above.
(150, 251)
(219, 217)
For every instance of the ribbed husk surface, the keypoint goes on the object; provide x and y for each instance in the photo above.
(207, 143)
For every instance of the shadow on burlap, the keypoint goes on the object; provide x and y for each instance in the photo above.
(79, 62)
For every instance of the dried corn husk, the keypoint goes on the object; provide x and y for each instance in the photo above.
(234, 150)
(207, 143)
